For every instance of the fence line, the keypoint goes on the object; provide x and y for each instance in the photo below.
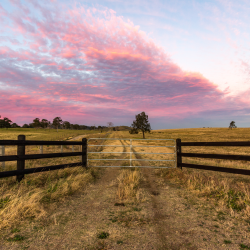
(21, 156)
(179, 144)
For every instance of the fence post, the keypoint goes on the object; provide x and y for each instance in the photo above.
(178, 150)
(84, 152)
(2, 153)
(61, 148)
(72, 148)
(20, 152)
(41, 149)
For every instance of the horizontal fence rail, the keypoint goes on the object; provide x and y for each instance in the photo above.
(24, 142)
(21, 157)
(180, 144)
(130, 146)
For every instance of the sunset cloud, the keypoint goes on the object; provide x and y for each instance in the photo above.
(92, 63)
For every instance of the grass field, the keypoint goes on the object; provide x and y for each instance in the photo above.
(42, 134)
(38, 194)
(224, 189)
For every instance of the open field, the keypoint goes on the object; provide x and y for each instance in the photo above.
(42, 134)
(131, 208)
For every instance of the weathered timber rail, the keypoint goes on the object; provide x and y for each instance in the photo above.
(21, 156)
(180, 144)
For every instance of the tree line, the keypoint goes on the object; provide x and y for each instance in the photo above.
(57, 123)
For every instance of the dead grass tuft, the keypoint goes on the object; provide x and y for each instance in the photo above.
(227, 192)
(30, 198)
(128, 185)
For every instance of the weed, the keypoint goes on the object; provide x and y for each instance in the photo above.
(16, 238)
(15, 230)
(103, 235)
(233, 197)
(227, 241)
(243, 246)
(119, 242)
(4, 201)
(52, 188)
(136, 209)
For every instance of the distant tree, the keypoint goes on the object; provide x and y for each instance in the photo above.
(31, 125)
(36, 123)
(44, 123)
(232, 125)
(66, 125)
(57, 121)
(5, 122)
(25, 126)
(141, 123)
(83, 127)
(14, 125)
(76, 126)
(1, 123)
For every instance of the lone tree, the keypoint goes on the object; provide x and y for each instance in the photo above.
(57, 121)
(141, 123)
(232, 125)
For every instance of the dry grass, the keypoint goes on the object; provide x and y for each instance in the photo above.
(129, 186)
(227, 191)
(38, 193)
(42, 134)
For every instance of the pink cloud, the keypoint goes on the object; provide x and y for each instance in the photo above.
(96, 64)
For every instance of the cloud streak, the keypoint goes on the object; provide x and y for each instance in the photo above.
(93, 64)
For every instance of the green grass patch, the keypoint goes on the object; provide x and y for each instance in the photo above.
(16, 238)
(4, 201)
(103, 235)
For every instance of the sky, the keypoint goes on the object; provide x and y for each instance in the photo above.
(185, 63)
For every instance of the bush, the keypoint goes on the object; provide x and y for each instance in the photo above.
(133, 131)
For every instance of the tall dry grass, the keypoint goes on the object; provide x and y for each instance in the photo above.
(129, 185)
(226, 191)
(33, 196)
(40, 193)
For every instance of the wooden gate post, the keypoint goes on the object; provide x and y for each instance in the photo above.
(84, 152)
(178, 150)
(20, 152)
(2, 153)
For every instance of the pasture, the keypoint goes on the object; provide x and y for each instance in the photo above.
(216, 204)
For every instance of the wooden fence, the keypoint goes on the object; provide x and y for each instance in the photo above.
(179, 144)
(21, 156)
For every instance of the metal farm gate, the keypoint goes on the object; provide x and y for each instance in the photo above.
(131, 152)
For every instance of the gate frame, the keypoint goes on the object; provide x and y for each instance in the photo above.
(130, 152)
